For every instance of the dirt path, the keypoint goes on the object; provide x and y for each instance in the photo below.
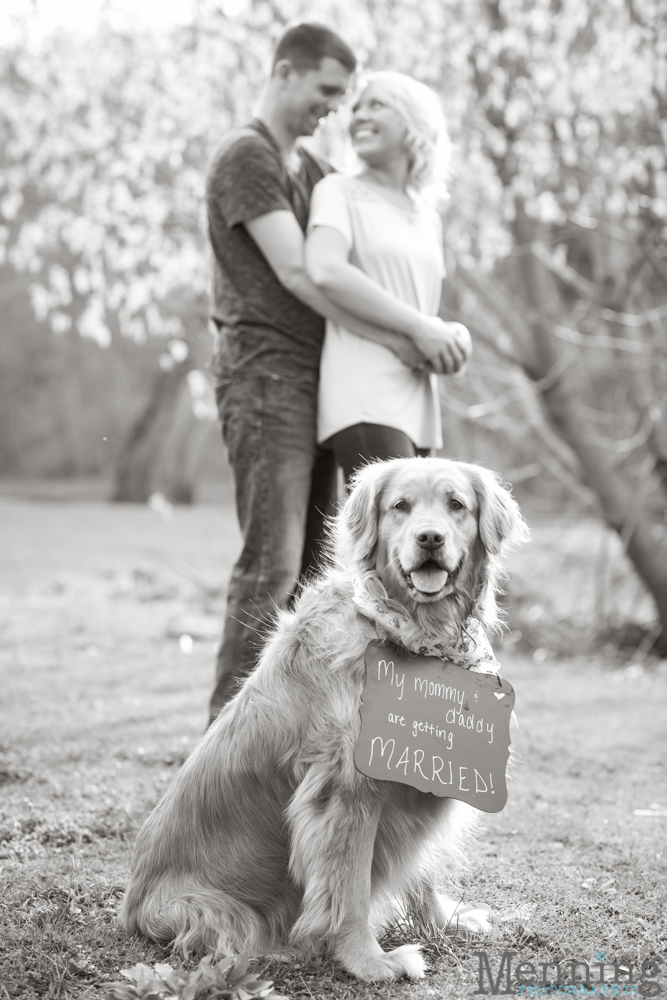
(101, 697)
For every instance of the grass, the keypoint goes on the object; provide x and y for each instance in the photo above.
(101, 699)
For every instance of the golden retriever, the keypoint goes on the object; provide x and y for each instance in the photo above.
(269, 838)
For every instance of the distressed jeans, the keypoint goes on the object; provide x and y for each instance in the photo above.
(285, 486)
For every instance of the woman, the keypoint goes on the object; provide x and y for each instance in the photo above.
(374, 248)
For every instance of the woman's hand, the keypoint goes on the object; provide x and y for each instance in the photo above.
(446, 346)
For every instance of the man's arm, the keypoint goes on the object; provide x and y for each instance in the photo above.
(281, 240)
(246, 187)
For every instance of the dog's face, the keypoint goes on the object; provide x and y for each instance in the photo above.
(431, 529)
(427, 529)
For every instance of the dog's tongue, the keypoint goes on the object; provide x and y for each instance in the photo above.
(429, 579)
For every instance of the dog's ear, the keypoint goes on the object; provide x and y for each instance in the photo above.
(356, 529)
(500, 520)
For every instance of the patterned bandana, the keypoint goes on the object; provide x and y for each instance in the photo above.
(472, 651)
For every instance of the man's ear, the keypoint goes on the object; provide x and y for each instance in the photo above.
(356, 529)
(282, 70)
(500, 520)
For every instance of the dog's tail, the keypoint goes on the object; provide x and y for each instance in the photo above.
(195, 919)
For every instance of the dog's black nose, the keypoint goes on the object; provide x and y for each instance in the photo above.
(429, 538)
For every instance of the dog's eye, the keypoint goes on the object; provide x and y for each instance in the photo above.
(456, 504)
(401, 505)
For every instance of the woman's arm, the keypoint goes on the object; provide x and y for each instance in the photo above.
(327, 264)
(280, 238)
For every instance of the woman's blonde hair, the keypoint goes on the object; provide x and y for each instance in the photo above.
(427, 141)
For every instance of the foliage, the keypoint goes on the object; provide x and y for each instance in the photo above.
(99, 157)
(227, 979)
(558, 104)
(102, 182)
(575, 114)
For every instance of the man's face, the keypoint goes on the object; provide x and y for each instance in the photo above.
(312, 94)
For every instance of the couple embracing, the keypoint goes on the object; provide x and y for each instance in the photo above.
(325, 298)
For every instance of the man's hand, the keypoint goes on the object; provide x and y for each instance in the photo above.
(462, 333)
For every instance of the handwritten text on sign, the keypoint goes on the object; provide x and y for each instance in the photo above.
(437, 727)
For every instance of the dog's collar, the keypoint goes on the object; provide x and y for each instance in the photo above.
(472, 651)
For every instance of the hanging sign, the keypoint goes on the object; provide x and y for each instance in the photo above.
(435, 726)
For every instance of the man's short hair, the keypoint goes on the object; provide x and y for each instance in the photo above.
(307, 44)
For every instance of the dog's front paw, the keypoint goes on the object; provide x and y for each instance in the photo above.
(472, 921)
(387, 965)
(454, 917)
(405, 961)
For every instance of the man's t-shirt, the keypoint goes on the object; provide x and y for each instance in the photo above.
(262, 328)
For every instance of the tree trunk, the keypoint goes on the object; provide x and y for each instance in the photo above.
(142, 451)
(621, 503)
(184, 449)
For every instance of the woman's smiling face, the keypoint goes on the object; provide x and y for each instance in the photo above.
(378, 131)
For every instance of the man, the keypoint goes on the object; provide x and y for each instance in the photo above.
(268, 315)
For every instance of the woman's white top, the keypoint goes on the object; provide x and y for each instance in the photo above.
(360, 381)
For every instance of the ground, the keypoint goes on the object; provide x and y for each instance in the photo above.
(109, 617)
